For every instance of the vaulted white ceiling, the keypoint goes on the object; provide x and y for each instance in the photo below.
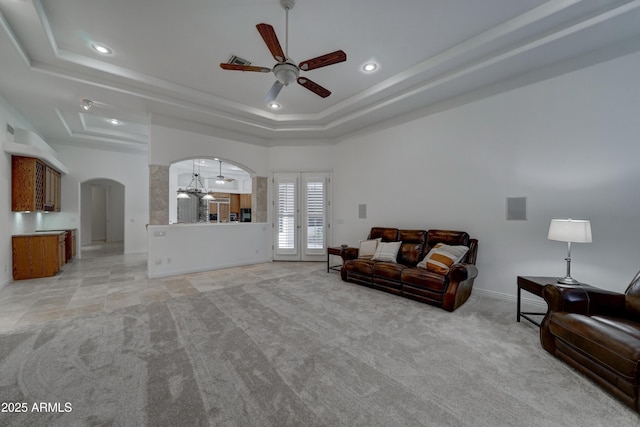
(166, 56)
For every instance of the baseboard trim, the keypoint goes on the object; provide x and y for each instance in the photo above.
(511, 298)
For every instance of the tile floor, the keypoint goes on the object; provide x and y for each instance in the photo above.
(103, 280)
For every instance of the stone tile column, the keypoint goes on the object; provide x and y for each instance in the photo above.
(259, 199)
(158, 194)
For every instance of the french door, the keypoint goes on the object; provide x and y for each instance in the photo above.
(301, 203)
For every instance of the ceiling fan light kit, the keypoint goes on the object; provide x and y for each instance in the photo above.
(286, 71)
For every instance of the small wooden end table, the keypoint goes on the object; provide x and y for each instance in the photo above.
(534, 285)
(336, 251)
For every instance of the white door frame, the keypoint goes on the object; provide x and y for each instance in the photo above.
(295, 213)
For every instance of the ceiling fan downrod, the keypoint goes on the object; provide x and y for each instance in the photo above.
(287, 5)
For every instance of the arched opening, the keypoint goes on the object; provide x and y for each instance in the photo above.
(101, 217)
(210, 190)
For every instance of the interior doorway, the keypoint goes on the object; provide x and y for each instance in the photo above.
(99, 219)
(101, 214)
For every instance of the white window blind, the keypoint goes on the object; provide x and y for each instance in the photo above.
(315, 214)
(286, 215)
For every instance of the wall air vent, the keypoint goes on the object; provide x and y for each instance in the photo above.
(236, 60)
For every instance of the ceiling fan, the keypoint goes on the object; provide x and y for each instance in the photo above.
(220, 179)
(286, 70)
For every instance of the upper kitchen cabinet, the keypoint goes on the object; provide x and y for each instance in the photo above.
(35, 186)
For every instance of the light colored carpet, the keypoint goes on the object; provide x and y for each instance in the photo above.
(288, 344)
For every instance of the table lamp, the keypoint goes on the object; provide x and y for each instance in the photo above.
(570, 231)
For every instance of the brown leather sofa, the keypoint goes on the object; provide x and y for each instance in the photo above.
(448, 291)
(598, 333)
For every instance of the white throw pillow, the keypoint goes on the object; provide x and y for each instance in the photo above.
(368, 248)
(441, 257)
(387, 251)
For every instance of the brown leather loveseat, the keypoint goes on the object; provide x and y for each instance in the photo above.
(598, 333)
(446, 289)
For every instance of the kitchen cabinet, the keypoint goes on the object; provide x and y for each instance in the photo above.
(70, 245)
(245, 201)
(51, 189)
(234, 203)
(35, 186)
(38, 255)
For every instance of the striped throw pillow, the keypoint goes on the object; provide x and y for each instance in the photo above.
(441, 257)
(387, 251)
(368, 248)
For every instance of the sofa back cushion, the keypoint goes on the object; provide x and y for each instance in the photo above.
(386, 234)
(632, 298)
(412, 248)
(448, 237)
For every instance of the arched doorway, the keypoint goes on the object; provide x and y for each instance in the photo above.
(101, 217)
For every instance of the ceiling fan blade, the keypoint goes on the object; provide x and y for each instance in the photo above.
(271, 39)
(323, 61)
(237, 67)
(273, 92)
(314, 87)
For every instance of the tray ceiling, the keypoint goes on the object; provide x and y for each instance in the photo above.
(164, 65)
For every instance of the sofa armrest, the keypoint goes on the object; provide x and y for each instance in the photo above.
(583, 300)
(462, 272)
(349, 253)
(460, 283)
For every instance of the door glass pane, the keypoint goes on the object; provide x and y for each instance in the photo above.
(286, 215)
(315, 215)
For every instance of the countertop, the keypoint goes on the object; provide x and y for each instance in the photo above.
(41, 233)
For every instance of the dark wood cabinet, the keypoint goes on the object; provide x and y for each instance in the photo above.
(38, 255)
(70, 245)
(51, 189)
(35, 186)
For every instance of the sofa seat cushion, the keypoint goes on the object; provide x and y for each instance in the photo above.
(614, 342)
(388, 270)
(359, 266)
(424, 279)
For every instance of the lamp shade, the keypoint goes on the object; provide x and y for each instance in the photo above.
(570, 230)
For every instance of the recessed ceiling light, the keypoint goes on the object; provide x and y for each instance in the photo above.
(274, 106)
(101, 48)
(115, 121)
(86, 104)
(370, 67)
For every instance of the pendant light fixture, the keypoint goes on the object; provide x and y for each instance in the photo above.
(196, 186)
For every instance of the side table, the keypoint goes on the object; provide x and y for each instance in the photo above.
(336, 251)
(533, 285)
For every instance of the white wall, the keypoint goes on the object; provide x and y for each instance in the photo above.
(187, 248)
(568, 144)
(302, 159)
(168, 145)
(129, 169)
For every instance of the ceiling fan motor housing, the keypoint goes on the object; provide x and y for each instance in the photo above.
(286, 72)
